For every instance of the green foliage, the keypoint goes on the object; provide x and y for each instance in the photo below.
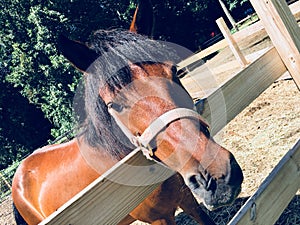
(37, 69)
(239, 8)
(30, 64)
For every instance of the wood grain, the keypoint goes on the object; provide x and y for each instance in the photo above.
(284, 32)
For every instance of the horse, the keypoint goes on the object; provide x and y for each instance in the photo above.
(130, 81)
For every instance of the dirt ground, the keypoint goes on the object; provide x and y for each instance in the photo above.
(258, 137)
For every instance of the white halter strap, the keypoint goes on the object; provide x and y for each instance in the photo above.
(143, 141)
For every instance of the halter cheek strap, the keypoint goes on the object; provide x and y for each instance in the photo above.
(143, 141)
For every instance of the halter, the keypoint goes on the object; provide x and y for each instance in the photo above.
(143, 141)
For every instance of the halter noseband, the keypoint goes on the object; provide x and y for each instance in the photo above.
(143, 141)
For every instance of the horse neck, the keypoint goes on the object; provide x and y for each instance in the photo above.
(98, 159)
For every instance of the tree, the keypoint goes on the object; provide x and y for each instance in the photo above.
(239, 8)
(187, 23)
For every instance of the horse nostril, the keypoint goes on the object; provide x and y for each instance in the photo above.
(193, 182)
(224, 177)
(197, 181)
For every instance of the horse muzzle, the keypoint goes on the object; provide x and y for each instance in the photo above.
(217, 192)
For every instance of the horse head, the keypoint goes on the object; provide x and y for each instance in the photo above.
(135, 75)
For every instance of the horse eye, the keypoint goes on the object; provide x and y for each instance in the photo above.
(117, 107)
(205, 130)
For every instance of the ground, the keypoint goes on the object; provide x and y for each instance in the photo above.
(258, 137)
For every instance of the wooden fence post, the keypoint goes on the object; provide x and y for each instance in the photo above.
(283, 30)
(231, 42)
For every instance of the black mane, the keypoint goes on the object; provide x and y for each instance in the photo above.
(116, 49)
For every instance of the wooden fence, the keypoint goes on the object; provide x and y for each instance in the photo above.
(107, 200)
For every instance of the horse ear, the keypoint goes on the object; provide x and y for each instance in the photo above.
(77, 53)
(142, 21)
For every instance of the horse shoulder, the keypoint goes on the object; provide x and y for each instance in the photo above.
(22, 199)
(25, 187)
(48, 178)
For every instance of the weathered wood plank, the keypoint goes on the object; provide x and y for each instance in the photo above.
(274, 194)
(200, 55)
(231, 98)
(112, 196)
(284, 32)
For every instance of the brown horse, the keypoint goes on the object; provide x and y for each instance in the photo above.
(136, 77)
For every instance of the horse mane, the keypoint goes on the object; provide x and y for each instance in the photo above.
(116, 49)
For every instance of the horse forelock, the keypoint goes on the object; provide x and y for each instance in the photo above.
(116, 50)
